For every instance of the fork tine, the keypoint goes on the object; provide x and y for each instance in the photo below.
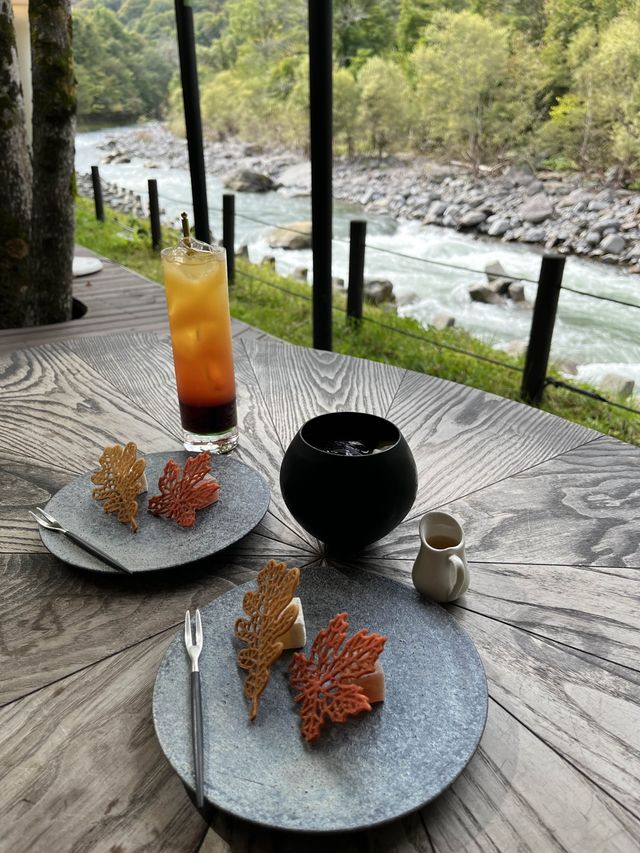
(46, 515)
(188, 638)
(198, 629)
(37, 517)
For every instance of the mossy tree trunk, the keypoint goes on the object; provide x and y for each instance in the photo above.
(54, 109)
(16, 295)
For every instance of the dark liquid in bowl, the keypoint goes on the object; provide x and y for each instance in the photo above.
(208, 420)
(350, 447)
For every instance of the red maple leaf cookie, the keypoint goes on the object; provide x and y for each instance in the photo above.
(181, 496)
(325, 680)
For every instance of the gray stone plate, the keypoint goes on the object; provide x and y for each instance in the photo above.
(377, 766)
(158, 543)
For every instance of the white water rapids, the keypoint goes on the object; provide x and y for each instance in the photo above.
(600, 337)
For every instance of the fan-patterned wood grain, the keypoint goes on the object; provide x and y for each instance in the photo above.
(518, 794)
(59, 411)
(580, 508)
(586, 708)
(464, 439)
(561, 603)
(299, 383)
(55, 620)
(82, 769)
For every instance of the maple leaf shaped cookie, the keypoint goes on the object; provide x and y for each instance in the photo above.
(271, 614)
(325, 680)
(119, 482)
(181, 496)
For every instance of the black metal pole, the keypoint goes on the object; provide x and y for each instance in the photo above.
(321, 133)
(97, 193)
(154, 214)
(193, 123)
(228, 233)
(357, 239)
(544, 317)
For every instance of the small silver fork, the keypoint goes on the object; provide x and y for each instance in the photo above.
(50, 523)
(193, 650)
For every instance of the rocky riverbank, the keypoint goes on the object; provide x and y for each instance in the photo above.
(567, 212)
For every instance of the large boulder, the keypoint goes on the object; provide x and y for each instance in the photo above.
(378, 290)
(536, 209)
(297, 177)
(246, 181)
(616, 385)
(483, 293)
(442, 321)
(471, 219)
(613, 243)
(296, 235)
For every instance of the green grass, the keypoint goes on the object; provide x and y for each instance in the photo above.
(259, 298)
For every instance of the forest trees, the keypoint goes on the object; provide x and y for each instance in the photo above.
(36, 189)
(550, 81)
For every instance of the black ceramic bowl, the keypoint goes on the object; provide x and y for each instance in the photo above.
(348, 501)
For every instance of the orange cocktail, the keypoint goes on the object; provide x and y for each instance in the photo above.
(195, 280)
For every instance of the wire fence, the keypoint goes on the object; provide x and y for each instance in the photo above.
(422, 338)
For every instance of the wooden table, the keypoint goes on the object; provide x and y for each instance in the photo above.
(551, 512)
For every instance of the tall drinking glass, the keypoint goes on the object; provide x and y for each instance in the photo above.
(195, 280)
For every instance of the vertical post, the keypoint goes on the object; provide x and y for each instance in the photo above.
(320, 110)
(544, 317)
(154, 214)
(357, 239)
(228, 233)
(97, 193)
(193, 124)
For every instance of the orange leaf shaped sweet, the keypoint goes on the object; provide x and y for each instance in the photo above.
(181, 496)
(119, 482)
(271, 614)
(325, 680)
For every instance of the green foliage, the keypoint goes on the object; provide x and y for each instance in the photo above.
(256, 300)
(384, 99)
(118, 75)
(548, 80)
(465, 86)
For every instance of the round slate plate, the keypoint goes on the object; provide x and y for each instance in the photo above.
(377, 766)
(159, 543)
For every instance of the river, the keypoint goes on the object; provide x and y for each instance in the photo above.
(600, 337)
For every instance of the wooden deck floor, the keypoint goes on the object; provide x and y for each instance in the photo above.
(117, 299)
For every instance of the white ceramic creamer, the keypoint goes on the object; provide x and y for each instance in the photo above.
(440, 571)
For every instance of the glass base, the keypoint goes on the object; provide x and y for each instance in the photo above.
(221, 442)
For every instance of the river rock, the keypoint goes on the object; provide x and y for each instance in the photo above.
(242, 251)
(378, 290)
(337, 283)
(532, 235)
(442, 321)
(269, 261)
(300, 273)
(494, 270)
(515, 291)
(247, 181)
(471, 219)
(484, 293)
(498, 227)
(535, 187)
(297, 177)
(618, 386)
(296, 235)
(500, 285)
(593, 237)
(537, 209)
(613, 244)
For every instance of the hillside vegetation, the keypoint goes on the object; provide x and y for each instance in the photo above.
(545, 81)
